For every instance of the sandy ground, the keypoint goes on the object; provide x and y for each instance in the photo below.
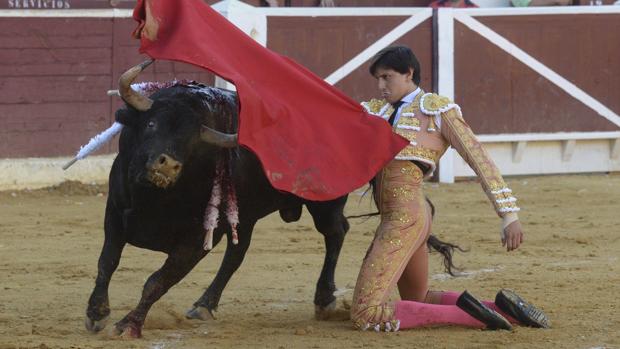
(50, 241)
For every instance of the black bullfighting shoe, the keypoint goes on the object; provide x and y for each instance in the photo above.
(482, 313)
(522, 311)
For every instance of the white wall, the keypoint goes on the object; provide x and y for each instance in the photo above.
(35, 173)
(547, 157)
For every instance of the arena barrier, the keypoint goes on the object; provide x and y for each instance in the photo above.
(540, 86)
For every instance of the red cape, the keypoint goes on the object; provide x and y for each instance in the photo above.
(311, 139)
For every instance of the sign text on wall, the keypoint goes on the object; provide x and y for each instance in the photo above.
(49, 4)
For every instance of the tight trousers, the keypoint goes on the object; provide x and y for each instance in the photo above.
(398, 253)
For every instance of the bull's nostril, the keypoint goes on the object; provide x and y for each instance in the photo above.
(177, 167)
(162, 160)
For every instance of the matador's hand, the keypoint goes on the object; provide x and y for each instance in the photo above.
(512, 236)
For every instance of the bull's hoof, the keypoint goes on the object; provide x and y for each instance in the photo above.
(332, 312)
(95, 326)
(200, 313)
(128, 331)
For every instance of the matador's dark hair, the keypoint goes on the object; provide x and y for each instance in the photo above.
(398, 58)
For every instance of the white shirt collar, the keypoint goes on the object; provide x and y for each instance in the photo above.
(410, 97)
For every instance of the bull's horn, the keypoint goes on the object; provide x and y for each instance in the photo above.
(224, 140)
(130, 96)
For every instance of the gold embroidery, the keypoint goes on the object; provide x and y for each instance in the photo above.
(507, 205)
(409, 134)
(423, 153)
(491, 179)
(504, 197)
(400, 216)
(403, 193)
(410, 108)
(401, 227)
(495, 185)
(406, 118)
(472, 145)
(411, 170)
(374, 105)
(407, 170)
(396, 242)
(433, 102)
(431, 124)
(409, 121)
(415, 105)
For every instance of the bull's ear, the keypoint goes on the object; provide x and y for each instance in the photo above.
(126, 117)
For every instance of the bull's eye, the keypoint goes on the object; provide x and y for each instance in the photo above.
(151, 124)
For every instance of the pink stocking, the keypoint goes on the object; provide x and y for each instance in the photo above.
(449, 298)
(415, 314)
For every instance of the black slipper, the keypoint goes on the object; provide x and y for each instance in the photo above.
(492, 319)
(526, 313)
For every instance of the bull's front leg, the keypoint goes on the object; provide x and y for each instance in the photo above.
(178, 264)
(98, 309)
(330, 221)
(233, 257)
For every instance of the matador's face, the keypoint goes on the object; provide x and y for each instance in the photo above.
(393, 85)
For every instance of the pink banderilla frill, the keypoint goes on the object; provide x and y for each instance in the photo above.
(232, 213)
(212, 212)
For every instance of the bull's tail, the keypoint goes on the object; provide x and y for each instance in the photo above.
(446, 249)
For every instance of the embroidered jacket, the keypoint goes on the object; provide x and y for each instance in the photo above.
(431, 123)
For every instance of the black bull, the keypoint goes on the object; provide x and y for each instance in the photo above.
(160, 184)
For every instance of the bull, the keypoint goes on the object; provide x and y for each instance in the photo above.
(159, 187)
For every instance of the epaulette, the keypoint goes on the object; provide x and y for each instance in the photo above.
(434, 104)
(374, 106)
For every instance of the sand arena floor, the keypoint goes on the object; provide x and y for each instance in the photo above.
(50, 241)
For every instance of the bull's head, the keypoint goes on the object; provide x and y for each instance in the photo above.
(162, 132)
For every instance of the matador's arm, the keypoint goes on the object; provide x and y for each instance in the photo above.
(460, 136)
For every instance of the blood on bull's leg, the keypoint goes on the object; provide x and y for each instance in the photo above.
(98, 309)
(329, 221)
(178, 264)
(233, 257)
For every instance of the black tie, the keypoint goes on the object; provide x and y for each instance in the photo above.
(393, 116)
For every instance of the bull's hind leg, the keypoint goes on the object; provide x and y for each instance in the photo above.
(98, 309)
(179, 262)
(233, 257)
(330, 221)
